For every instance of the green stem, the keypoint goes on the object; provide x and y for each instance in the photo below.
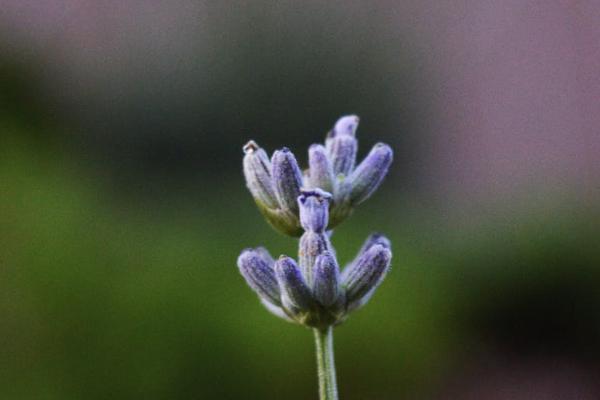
(326, 364)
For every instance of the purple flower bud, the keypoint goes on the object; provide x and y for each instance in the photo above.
(314, 209)
(368, 272)
(312, 244)
(287, 179)
(259, 275)
(257, 170)
(326, 279)
(373, 239)
(369, 174)
(295, 294)
(320, 172)
(342, 145)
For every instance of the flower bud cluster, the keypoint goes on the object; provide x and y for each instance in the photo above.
(313, 292)
(275, 183)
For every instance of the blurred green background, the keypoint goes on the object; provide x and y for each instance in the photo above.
(123, 207)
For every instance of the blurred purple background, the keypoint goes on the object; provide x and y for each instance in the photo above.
(513, 85)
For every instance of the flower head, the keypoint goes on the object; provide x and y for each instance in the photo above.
(276, 184)
(314, 292)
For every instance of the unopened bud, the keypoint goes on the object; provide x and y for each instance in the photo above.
(295, 294)
(320, 172)
(287, 179)
(367, 273)
(326, 279)
(342, 145)
(257, 170)
(259, 275)
(370, 173)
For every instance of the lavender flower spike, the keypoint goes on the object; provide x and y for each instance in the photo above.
(326, 279)
(368, 272)
(287, 179)
(369, 174)
(259, 275)
(295, 294)
(313, 292)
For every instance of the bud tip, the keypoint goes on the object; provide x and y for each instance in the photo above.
(250, 147)
(319, 194)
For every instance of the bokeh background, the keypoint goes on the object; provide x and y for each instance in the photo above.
(123, 207)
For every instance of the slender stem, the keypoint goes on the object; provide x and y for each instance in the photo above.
(326, 364)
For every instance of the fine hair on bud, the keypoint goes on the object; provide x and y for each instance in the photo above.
(346, 125)
(373, 239)
(367, 273)
(370, 173)
(287, 178)
(312, 244)
(295, 293)
(257, 171)
(259, 275)
(320, 170)
(276, 310)
(342, 146)
(326, 279)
